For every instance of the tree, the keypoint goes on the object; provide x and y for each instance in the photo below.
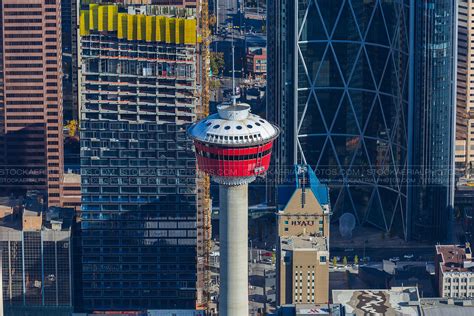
(217, 62)
(356, 259)
(334, 261)
(72, 127)
(344, 261)
(212, 20)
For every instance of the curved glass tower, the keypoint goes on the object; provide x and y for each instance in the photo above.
(339, 80)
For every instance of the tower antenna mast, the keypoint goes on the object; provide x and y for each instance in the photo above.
(234, 92)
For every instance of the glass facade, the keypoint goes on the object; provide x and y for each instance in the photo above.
(36, 268)
(138, 218)
(339, 82)
(434, 85)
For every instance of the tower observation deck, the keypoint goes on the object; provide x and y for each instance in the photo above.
(233, 146)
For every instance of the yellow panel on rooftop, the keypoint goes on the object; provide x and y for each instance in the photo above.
(150, 28)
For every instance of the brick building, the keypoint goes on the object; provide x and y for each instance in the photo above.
(303, 249)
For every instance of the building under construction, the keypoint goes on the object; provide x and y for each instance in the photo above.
(144, 222)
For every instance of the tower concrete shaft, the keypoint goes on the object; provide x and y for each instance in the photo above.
(233, 231)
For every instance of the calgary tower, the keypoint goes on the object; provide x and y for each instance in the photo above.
(233, 147)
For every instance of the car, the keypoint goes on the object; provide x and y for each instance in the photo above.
(409, 257)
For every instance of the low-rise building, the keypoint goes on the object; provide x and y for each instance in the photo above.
(71, 191)
(154, 312)
(464, 208)
(446, 307)
(303, 250)
(257, 61)
(395, 301)
(308, 309)
(454, 269)
(36, 258)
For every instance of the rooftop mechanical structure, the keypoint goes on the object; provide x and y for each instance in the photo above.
(233, 146)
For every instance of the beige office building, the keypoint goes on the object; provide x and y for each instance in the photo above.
(303, 250)
(465, 87)
(454, 268)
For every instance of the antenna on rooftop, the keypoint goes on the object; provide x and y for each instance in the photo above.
(234, 94)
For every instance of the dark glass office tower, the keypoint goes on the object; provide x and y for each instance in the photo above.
(432, 154)
(338, 87)
(139, 84)
(69, 46)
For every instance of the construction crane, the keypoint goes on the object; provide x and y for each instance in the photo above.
(203, 181)
(205, 62)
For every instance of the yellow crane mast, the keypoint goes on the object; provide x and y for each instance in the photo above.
(204, 200)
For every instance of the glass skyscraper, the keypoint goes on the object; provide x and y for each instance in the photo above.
(432, 150)
(338, 86)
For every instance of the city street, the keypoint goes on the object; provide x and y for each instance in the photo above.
(379, 254)
(262, 280)
(231, 28)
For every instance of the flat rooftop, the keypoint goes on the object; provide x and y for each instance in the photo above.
(396, 301)
(72, 178)
(29, 207)
(455, 258)
(308, 309)
(7, 203)
(447, 307)
(292, 243)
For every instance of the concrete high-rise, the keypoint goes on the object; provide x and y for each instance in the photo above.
(303, 240)
(139, 86)
(465, 91)
(31, 146)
